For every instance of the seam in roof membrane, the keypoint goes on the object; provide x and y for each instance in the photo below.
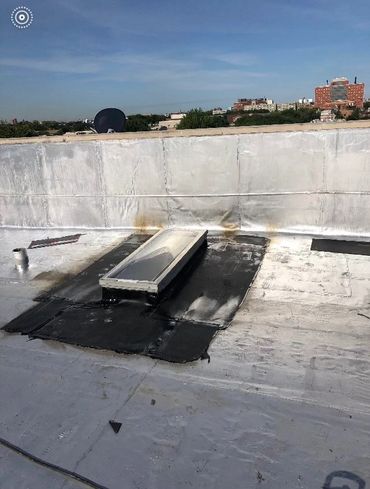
(302, 182)
(241, 194)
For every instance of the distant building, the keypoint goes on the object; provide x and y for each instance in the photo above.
(305, 101)
(14, 122)
(171, 122)
(254, 104)
(177, 116)
(219, 111)
(327, 115)
(245, 104)
(285, 106)
(232, 118)
(340, 92)
(165, 125)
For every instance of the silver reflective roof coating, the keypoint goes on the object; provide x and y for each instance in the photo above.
(154, 264)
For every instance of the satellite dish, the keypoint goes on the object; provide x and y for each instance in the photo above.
(110, 120)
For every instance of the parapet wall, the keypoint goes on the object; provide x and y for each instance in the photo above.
(303, 181)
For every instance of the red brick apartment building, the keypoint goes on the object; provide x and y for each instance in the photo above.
(338, 93)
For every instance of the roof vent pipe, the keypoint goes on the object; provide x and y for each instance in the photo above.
(20, 258)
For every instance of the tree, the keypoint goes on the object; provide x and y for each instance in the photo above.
(289, 116)
(197, 118)
(35, 128)
(355, 115)
(136, 123)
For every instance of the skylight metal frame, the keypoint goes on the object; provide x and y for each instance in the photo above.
(165, 277)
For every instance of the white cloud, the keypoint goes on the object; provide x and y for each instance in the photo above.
(184, 74)
(237, 59)
(63, 64)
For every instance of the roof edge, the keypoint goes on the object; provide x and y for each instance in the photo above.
(219, 131)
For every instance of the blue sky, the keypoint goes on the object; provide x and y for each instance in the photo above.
(79, 56)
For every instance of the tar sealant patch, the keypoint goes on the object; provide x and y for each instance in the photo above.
(178, 327)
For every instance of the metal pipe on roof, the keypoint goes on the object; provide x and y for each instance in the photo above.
(21, 258)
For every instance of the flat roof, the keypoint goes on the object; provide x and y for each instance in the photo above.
(283, 402)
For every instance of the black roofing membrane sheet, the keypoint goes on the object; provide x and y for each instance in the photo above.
(341, 246)
(178, 327)
(84, 287)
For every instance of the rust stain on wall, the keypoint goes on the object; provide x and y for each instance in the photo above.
(228, 223)
(142, 222)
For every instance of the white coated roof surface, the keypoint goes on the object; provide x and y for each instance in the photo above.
(283, 402)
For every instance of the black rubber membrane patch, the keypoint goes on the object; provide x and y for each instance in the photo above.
(178, 327)
(341, 246)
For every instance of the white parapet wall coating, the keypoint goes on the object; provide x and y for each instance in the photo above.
(313, 182)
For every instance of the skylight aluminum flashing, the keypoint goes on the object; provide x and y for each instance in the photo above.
(155, 264)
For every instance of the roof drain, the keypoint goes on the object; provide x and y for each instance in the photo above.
(151, 267)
